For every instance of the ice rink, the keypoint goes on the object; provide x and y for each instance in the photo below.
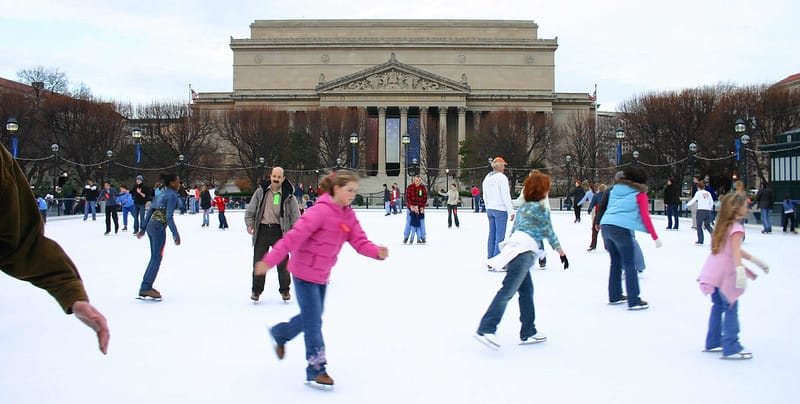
(400, 330)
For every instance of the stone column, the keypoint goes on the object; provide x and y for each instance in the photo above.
(423, 129)
(443, 137)
(381, 140)
(462, 129)
(291, 121)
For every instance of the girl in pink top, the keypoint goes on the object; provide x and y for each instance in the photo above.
(314, 242)
(724, 276)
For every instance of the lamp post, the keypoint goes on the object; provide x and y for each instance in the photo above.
(692, 151)
(181, 159)
(568, 158)
(447, 179)
(11, 128)
(109, 154)
(136, 133)
(338, 164)
(353, 143)
(406, 140)
(740, 127)
(54, 148)
(619, 134)
(635, 156)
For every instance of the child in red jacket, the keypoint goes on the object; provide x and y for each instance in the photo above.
(220, 203)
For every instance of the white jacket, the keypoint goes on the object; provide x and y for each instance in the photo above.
(496, 194)
(515, 244)
(703, 200)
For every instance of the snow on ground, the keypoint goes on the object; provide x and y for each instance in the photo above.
(397, 331)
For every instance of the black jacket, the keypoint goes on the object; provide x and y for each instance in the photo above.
(90, 193)
(138, 199)
(672, 194)
(765, 198)
(205, 200)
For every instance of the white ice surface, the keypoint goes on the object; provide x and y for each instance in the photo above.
(397, 331)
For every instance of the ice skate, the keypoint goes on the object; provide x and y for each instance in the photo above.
(280, 349)
(321, 382)
(487, 339)
(286, 297)
(533, 339)
(150, 294)
(741, 355)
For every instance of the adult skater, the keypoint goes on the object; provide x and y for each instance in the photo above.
(141, 194)
(155, 223)
(705, 205)
(625, 209)
(416, 200)
(499, 208)
(272, 212)
(26, 254)
(517, 255)
(315, 242)
(452, 206)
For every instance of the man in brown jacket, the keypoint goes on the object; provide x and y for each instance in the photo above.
(26, 254)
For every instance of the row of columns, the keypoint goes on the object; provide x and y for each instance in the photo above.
(423, 110)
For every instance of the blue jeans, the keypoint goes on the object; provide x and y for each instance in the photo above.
(90, 205)
(157, 233)
(206, 222)
(723, 325)
(619, 244)
(476, 203)
(703, 221)
(765, 220)
(311, 299)
(138, 216)
(407, 229)
(125, 211)
(497, 230)
(388, 206)
(673, 211)
(518, 279)
(638, 257)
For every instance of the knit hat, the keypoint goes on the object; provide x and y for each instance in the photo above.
(140, 178)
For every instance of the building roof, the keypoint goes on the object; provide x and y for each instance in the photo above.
(790, 79)
(15, 87)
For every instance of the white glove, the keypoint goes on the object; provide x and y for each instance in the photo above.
(741, 277)
(761, 264)
(658, 243)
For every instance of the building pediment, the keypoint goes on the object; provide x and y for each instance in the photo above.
(393, 76)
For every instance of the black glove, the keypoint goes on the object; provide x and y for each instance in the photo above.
(565, 261)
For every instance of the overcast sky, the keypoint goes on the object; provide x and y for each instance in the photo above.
(151, 50)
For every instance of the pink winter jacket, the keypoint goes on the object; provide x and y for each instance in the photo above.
(316, 239)
(719, 270)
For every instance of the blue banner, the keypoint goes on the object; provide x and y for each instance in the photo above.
(738, 145)
(14, 147)
(138, 153)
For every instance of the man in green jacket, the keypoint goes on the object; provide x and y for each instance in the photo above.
(26, 254)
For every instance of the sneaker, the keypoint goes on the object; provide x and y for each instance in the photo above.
(487, 339)
(255, 296)
(149, 294)
(621, 300)
(285, 296)
(534, 339)
(741, 355)
(641, 306)
(322, 382)
(280, 349)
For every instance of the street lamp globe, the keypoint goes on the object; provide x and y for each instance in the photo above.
(740, 126)
(353, 138)
(181, 157)
(619, 133)
(490, 160)
(405, 138)
(12, 126)
(745, 139)
(261, 160)
(136, 133)
(635, 154)
(692, 148)
(54, 148)
(109, 153)
(569, 158)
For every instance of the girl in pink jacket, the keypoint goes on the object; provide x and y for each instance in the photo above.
(314, 242)
(724, 276)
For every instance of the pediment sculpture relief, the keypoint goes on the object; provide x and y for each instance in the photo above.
(393, 80)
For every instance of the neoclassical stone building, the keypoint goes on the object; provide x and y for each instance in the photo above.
(400, 72)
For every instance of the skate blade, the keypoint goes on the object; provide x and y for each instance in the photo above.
(533, 341)
(317, 386)
(485, 342)
(148, 298)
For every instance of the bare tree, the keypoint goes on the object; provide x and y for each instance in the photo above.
(53, 79)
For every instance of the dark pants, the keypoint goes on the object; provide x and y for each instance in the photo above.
(268, 236)
(111, 214)
(311, 299)
(703, 221)
(138, 217)
(672, 212)
(620, 247)
(577, 209)
(452, 212)
(223, 222)
(788, 218)
(593, 244)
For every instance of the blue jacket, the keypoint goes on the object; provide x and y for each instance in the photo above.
(167, 200)
(126, 200)
(110, 195)
(41, 203)
(623, 210)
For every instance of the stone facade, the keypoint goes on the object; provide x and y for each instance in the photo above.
(405, 70)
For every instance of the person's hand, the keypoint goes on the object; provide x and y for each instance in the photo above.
(511, 217)
(565, 261)
(140, 234)
(96, 321)
(177, 241)
(659, 243)
(383, 252)
(261, 268)
(761, 264)
(250, 230)
(597, 227)
(741, 277)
